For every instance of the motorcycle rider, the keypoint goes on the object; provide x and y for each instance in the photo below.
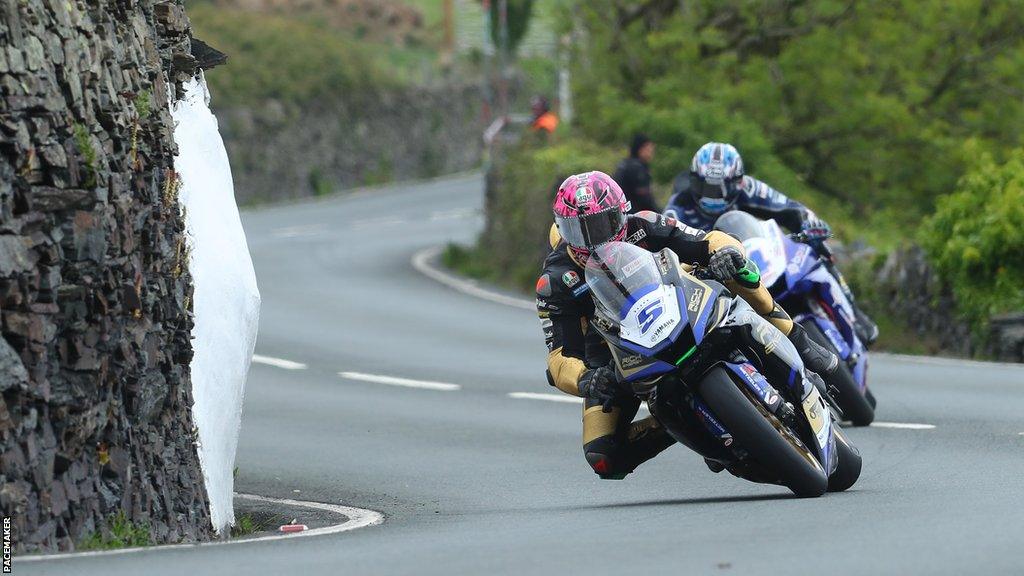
(590, 209)
(716, 183)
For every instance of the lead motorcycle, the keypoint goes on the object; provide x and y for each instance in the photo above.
(719, 378)
(797, 274)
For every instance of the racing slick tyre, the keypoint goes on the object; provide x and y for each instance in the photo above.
(760, 433)
(848, 470)
(856, 407)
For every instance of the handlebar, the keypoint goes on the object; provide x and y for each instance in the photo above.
(817, 243)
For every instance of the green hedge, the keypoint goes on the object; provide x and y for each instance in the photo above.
(976, 238)
(515, 241)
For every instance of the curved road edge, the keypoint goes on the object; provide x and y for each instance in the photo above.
(355, 518)
(426, 263)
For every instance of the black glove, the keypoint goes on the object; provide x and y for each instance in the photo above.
(725, 263)
(815, 228)
(600, 386)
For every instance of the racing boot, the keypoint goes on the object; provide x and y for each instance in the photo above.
(815, 356)
(864, 326)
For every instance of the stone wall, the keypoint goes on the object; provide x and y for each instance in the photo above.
(907, 289)
(94, 289)
(280, 152)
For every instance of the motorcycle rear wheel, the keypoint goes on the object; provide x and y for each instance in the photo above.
(762, 435)
(856, 407)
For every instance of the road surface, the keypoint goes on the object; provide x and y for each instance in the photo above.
(474, 481)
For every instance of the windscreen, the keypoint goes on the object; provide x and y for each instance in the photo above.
(741, 225)
(620, 273)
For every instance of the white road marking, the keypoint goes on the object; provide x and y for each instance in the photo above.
(548, 397)
(452, 215)
(298, 231)
(565, 398)
(357, 518)
(421, 262)
(952, 362)
(406, 382)
(902, 425)
(278, 362)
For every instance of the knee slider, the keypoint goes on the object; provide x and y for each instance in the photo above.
(600, 454)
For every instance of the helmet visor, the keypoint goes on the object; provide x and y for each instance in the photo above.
(714, 197)
(591, 229)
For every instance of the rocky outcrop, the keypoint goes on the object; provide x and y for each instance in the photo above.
(94, 288)
(279, 151)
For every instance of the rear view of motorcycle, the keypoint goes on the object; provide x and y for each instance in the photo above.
(798, 275)
(721, 379)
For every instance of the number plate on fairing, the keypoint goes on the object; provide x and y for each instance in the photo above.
(652, 319)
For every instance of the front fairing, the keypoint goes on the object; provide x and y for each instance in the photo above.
(652, 314)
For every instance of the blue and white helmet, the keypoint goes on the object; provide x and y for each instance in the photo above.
(718, 171)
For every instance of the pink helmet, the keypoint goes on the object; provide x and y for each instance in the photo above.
(590, 209)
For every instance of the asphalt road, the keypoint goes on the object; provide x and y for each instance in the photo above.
(474, 481)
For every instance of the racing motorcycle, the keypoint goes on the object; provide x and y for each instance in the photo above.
(721, 379)
(797, 274)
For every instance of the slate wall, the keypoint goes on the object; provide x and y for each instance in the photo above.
(94, 287)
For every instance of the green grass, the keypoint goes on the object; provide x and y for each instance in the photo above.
(122, 533)
(245, 525)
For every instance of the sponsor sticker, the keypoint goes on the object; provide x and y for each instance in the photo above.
(695, 298)
(632, 267)
(637, 236)
(581, 290)
(631, 361)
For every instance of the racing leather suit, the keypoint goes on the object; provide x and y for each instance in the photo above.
(762, 201)
(613, 444)
(755, 197)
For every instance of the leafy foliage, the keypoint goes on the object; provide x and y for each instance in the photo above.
(976, 238)
(513, 245)
(867, 101)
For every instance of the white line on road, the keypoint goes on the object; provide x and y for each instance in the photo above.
(422, 262)
(902, 425)
(565, 398)
(548, 397)
(278, 362)
(356, 518)
(406, 382)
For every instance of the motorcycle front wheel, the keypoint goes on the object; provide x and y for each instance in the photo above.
(763, 436)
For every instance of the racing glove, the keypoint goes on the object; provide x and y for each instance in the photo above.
(725, 263)
(600, 386)
(815, 228)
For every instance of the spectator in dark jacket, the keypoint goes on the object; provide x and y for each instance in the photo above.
(633, 175)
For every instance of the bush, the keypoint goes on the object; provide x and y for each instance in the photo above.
(976, 238)
(515, 241)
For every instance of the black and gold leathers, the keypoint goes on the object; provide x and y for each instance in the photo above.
(564, 306)
(614, 445)
(759, 298)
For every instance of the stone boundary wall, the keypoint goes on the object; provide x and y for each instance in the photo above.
(908, 289)
(95, 294)
(279, 152)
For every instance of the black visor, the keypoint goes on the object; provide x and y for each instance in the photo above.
(591, 229)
